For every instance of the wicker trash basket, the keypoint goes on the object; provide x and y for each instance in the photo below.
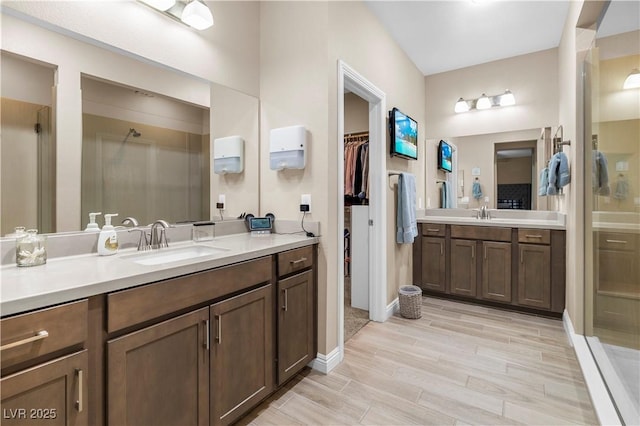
(410, 298)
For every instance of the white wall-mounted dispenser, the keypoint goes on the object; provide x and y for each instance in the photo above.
(287, 146)
(228, 155)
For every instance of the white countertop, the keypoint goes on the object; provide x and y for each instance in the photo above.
(499, 222)
(75, 277)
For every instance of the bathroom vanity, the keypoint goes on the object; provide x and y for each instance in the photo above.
(507, 262)
(193, 341)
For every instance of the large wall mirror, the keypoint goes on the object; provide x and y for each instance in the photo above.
(27, 148)
(87, 128)
(506, 165)
(143, 154)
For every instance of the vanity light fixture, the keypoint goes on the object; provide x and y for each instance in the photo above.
(162, 5)
(633, 80)
(193, 13)
(485, 102)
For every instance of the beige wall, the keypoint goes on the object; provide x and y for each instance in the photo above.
(533, 78)
(356, 114)
(227, 53)
(298, 79)
(514, 170)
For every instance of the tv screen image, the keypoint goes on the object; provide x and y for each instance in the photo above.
(404, 135)
(444, 156)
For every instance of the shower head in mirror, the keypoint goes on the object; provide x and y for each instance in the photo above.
(132, 132)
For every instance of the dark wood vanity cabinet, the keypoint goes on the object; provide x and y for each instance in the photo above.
(514, 267)
(295, 312)
(242, 357)
(433, 249)
(45, 367)
(177, 348)
(617, 280)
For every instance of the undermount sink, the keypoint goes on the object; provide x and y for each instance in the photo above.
(168, 255)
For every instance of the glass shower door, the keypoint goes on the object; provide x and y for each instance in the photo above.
(612, 216)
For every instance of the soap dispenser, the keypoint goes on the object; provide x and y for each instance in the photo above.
(92, 225)
(108, 239)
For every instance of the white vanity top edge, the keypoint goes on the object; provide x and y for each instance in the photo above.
(66, 279)
(504, 223)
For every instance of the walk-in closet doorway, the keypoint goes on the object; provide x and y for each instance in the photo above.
(351, 81)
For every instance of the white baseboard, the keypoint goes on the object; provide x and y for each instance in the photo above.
(325, 363)
(392, 308)
(605, 410)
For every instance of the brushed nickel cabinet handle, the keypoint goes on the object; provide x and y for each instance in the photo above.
(485, 252)
(433, 230)
(617, 241)
(473, 251)
(207, 335)
(80, 401)
(441, 251)
(38, 336)
(295, 262)
(285, 307)
(521, 254)
(219, 332)
(533, 236)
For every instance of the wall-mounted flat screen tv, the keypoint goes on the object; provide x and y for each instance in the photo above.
(444, 156)
(403, 132)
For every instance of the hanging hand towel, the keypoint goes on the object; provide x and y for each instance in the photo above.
(543, 182)
(476, 190)
(600, 174)
(559, 175)
(622, 189)
(406, 224)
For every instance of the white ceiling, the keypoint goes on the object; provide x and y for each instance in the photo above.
(441, 36)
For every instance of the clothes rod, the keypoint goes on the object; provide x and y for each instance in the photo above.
(394, 173)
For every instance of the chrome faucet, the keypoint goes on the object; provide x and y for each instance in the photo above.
(143, 242)
(483, 213)
(159, 240)
(129, 220)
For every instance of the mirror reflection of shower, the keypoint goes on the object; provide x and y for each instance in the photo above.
(132, 132)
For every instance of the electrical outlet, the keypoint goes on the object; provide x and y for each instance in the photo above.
(306, 200)
(222, 199)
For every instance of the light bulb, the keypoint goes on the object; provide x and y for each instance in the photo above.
(197, 15)
(483, 102)
(507, 99)
(633, 80)
(461, 106)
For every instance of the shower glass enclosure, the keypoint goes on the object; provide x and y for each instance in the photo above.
(612, 206)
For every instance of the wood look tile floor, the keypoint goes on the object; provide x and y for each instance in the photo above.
(459, 364)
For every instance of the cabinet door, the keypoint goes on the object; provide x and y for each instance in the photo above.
(534, 276)
(295, 324)
(242, 356)
(496, 271)
(463, 267)
(159, 375)
(53, 393)
(433, 264)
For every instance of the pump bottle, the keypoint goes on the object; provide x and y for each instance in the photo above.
(108, 239)
(92, 225)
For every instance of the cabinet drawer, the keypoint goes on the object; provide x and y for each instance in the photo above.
(534, 236)
(433, 230)
(488, 233)
(127, 308)
(617, 241)
(295, 260)
(28, 336)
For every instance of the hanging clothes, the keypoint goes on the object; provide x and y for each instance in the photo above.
(356, 167)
